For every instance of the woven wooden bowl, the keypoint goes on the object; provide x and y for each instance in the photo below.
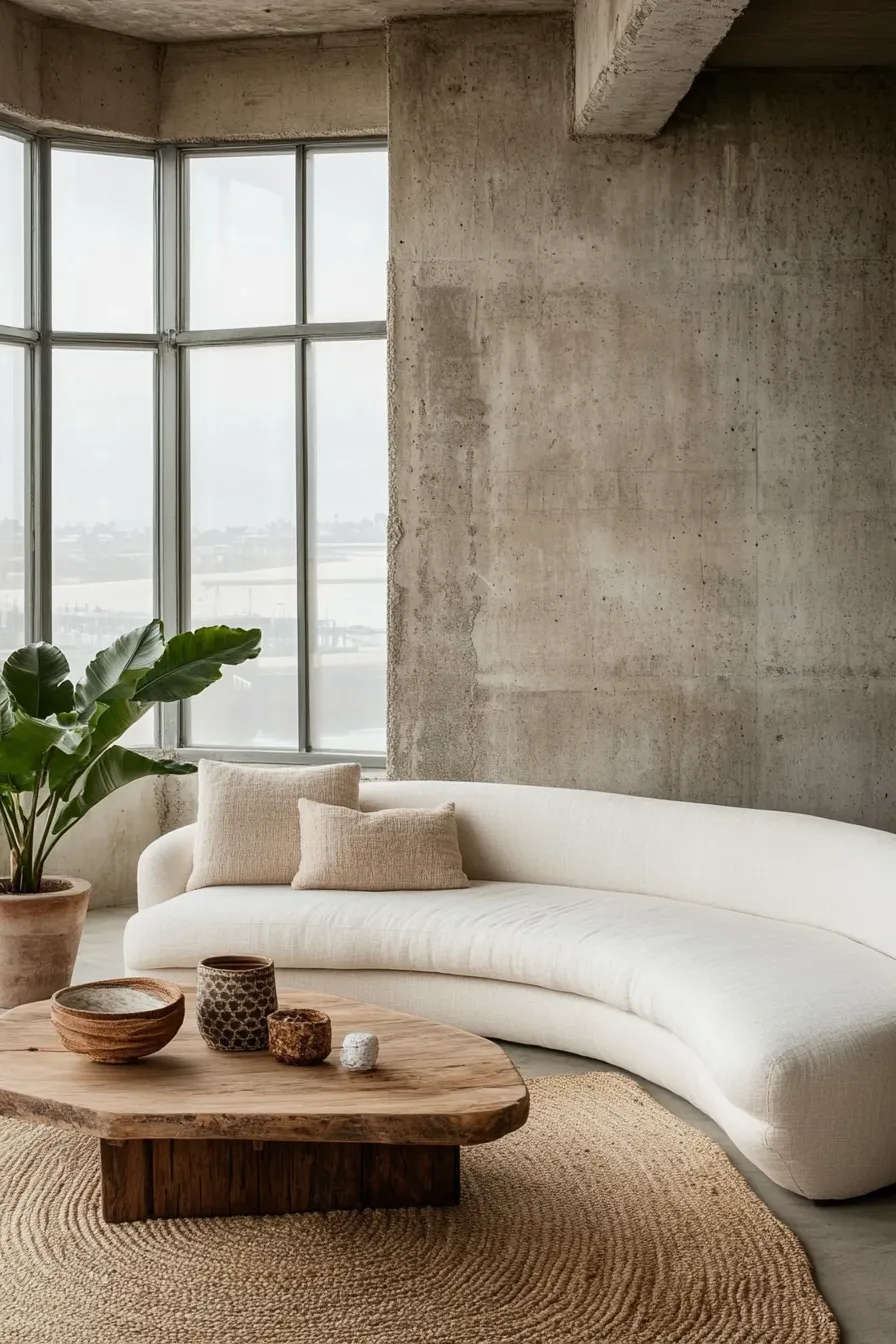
(117, 1021)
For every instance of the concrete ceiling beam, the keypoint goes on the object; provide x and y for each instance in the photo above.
(636, 59)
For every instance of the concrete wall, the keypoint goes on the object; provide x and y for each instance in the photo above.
(80, 78)
(291, 87)
(57, 75)
(105, 845)
(643, 431)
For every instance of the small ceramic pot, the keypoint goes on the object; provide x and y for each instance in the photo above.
(300, 1035)
(359, 1051)
(234, 996)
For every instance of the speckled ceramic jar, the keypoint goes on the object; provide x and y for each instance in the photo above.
(234, 996)
(300, 1035)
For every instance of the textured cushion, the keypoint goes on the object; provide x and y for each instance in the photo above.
(249, 820)
(399, 849)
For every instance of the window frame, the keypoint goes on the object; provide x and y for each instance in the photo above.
(171, 342)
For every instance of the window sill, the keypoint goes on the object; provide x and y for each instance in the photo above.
(372, 765)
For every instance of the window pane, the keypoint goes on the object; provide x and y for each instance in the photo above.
(242, 240)
(348, 229)
(348, 508)
(103, 407)
(243, 515)
(103, 224)
(13, 159)
(13, 363)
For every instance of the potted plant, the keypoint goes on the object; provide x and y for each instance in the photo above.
(59, 757)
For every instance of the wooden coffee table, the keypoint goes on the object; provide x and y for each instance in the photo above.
(192, 1133)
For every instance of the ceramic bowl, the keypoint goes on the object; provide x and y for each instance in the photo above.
(300, 1036)
(117, 1021)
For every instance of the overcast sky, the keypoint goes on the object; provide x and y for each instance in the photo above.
(242, 271)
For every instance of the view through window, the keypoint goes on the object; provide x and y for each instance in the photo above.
(193, 394)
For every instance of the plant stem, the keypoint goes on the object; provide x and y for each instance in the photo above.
(31, 879)
(55, 841)
(43, 850)
(15, 825)
(10, 825)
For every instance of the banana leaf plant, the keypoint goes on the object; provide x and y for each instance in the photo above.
(58, 741)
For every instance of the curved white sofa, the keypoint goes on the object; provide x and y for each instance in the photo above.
(743, 959)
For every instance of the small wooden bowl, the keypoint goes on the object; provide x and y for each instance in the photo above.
(117, 1021)
(299, 1035)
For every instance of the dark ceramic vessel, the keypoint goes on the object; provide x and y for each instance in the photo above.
(234, 997)
(300, 1036)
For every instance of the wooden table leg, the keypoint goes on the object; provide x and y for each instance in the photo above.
(205, 1178)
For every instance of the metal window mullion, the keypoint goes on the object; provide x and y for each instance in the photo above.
(303, 635)
(106, 340)
(39, 581)
(18, 335)
(184, 476)
(303, 632)
(322, 331)
(168, 501)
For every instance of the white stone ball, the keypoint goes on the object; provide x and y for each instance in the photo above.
(359, 1051)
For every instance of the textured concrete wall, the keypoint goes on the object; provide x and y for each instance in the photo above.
(105, 846)
(20, 47)
(636, 59)
(322, 86)
(643, 431)
(57, 75)
(53, 74)
(99, 81)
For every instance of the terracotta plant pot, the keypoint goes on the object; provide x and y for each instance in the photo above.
(39, 938)
(300, 1035)
(233, 998)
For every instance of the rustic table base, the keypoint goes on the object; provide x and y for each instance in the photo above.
(220, 1178)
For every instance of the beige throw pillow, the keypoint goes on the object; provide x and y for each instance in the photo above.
(249, 820)
(398, 849)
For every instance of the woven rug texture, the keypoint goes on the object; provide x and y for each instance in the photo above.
(604, 1220)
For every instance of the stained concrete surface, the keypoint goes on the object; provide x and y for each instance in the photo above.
(191, 20)
(643, 425)
(636, 59)
(55, 74)
(284, 88)
(852, 1245)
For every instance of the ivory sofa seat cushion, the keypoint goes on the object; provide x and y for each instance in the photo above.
(249, 828)
(794, 1024)
(397, 849)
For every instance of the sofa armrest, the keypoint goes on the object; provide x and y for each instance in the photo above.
(164, 867)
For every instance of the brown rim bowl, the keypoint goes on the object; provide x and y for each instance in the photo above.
(117, 1021)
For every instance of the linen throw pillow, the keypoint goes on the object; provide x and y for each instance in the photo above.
(398, 849)
(249, 822)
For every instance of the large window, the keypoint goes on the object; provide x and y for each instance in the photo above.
(193, 422)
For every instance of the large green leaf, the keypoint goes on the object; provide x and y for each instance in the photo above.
(106, 725)
(114, 672)
(37, 676)
(115, 768)
(193, 661)
(7, 710)
(23, 748)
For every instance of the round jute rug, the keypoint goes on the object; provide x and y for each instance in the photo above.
(605, 1220)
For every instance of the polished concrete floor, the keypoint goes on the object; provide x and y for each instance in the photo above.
(852, 1245)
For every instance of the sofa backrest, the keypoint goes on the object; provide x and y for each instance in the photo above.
(781, 865)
